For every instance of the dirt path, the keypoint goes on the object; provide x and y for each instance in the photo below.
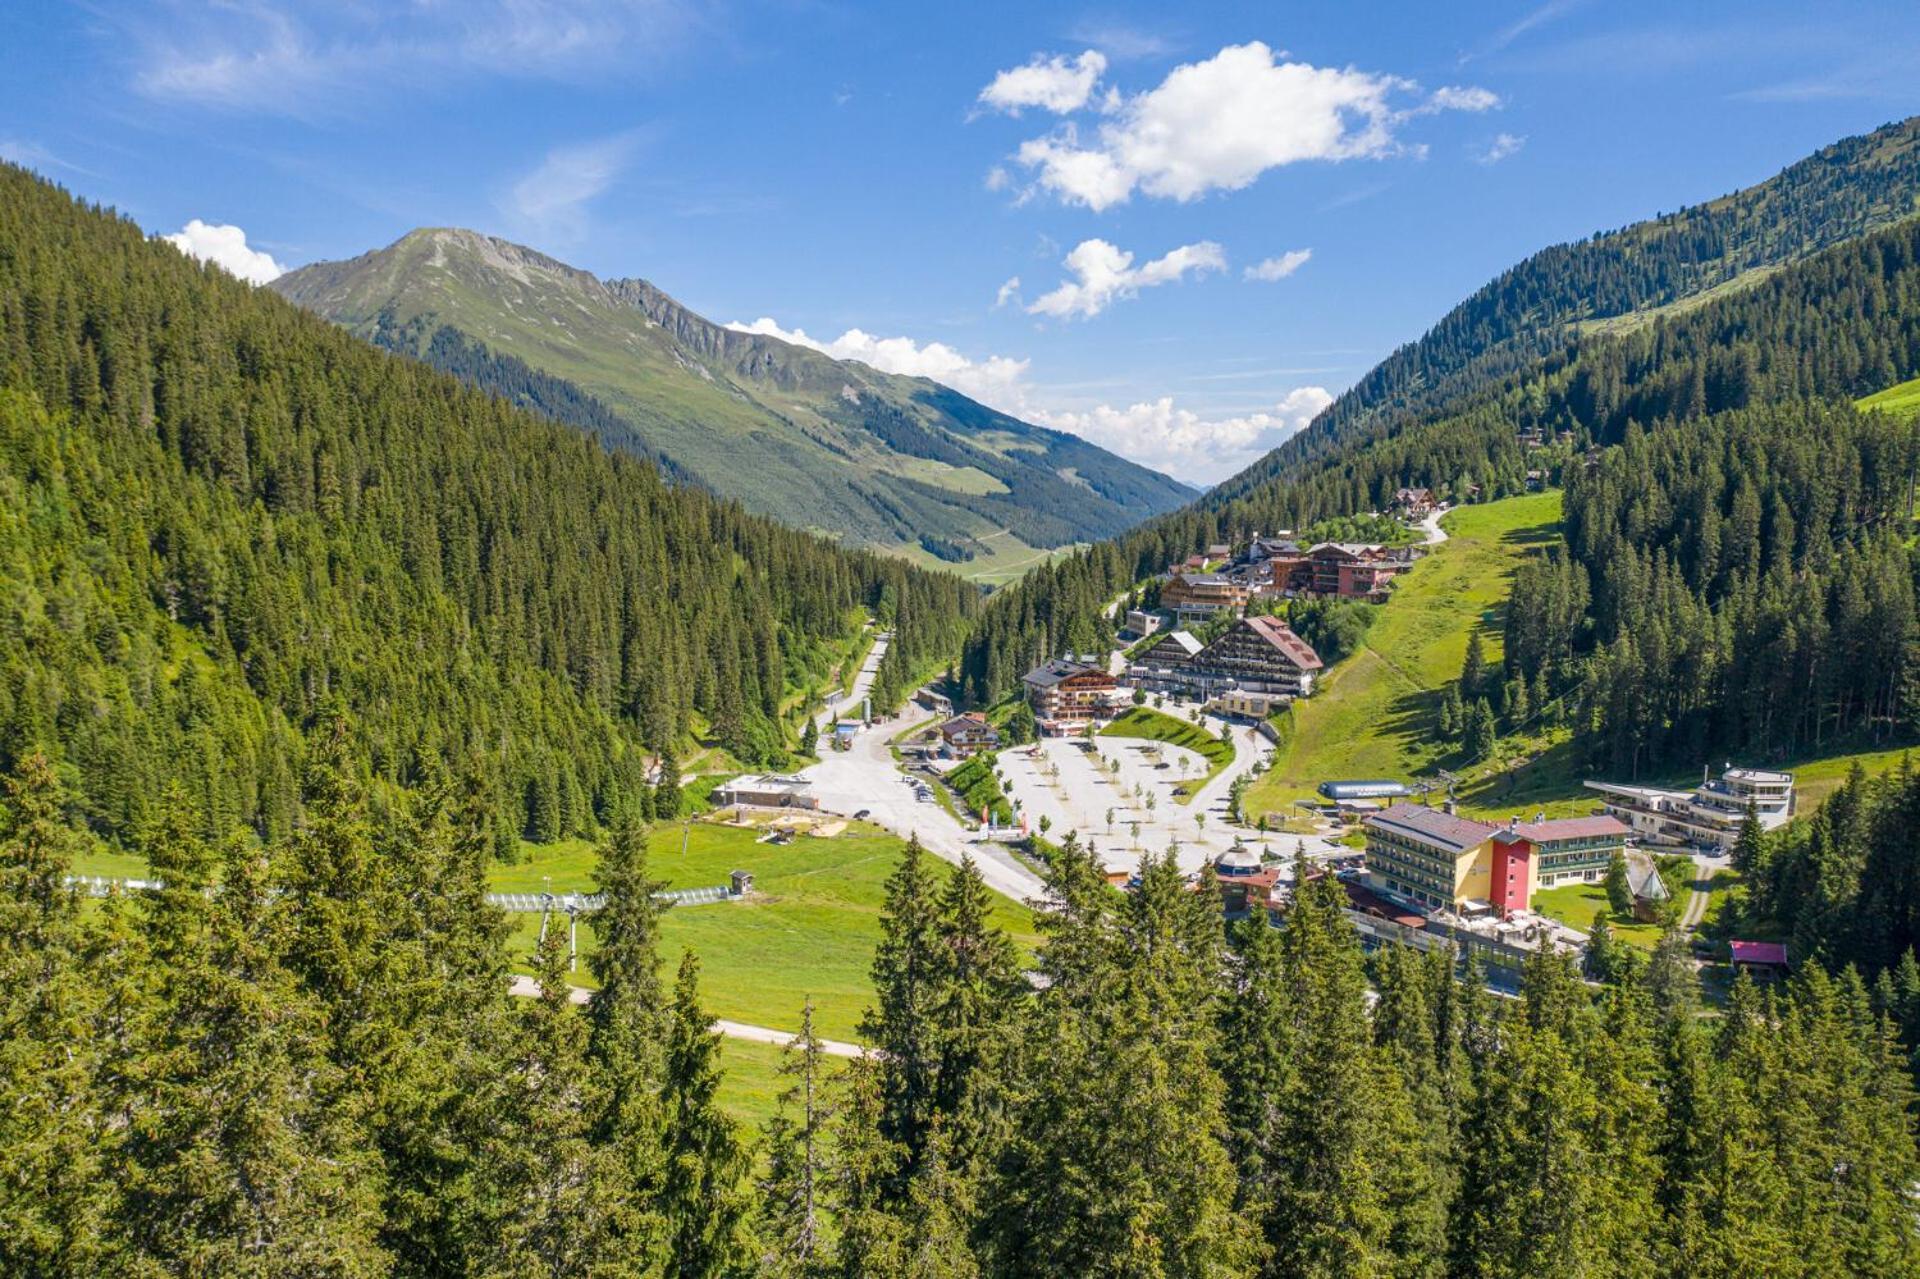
(528, 988)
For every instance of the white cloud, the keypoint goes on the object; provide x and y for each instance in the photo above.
(1105, 273)
(995, 381)
(1180, 442)
(1221, 123)
(1057, 84)
(310, 57)
(1270, 269)
(1009, 292)
(553, 196)
(225, 247)
(1155, 433)
(1502, 146)
(1455, 97)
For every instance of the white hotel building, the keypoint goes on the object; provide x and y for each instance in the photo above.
(1709, 815)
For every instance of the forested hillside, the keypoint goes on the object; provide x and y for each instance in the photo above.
(1529, 312)
(222, 515)
(1824, 331)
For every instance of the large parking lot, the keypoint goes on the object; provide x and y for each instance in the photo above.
(1119, 792)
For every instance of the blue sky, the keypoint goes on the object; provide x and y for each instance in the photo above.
(1217, 215)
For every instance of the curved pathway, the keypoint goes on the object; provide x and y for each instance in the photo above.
(528, 988)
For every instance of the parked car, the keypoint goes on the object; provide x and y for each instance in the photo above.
(862, 813)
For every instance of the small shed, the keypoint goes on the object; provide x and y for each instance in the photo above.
(1764, 959)
(740, 883)
(1649, 889)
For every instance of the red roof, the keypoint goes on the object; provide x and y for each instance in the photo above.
(1281, 636)
(1760, 952)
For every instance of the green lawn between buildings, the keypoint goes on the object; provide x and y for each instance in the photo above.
(1576, 904)
(1157, 726)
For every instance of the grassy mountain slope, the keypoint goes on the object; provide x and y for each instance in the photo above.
(1372, 714)
(815, 442)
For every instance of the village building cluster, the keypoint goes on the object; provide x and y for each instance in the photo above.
(1202, 587)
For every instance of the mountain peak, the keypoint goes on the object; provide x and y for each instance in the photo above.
(897, 462)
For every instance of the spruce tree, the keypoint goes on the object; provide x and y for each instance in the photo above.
(627, 1018)
(243, 1156)
(701, 1195)
(908, 973)
(52, 1133)
(666, 790)
(978, 996)
(791, 1198)
(556, 1192)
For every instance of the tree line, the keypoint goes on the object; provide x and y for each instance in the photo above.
(222, 514)
(300, 1057)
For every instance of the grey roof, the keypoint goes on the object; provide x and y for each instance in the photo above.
(1432, 825)
(1239, 857)
(1047, 674)
(1643, 880)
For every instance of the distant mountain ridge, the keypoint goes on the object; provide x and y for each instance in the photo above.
(833, 445)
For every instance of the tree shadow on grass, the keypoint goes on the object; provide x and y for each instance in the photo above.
(1551, 777)
(1532, 535)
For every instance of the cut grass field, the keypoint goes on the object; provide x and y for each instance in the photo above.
(1157, 726)
(1576, 904)
(810, 929)
(752, 1084)
(1374, 714)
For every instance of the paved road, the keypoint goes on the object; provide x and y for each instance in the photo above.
(528, 988)
(862, 683)
(1430, 527)
(865, 777)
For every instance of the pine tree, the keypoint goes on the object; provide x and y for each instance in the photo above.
(243, 1158)
(908, 972)
(979, 995)
(791, 1193)
(938, 1214)
(1619, 895)
(1473, 670)
(701, 1197)
(1327, 1213)
(863, 1164)
(556, 1193)
(666, 790)
(627, 1018)
(52, 1133)
(1749, 849)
